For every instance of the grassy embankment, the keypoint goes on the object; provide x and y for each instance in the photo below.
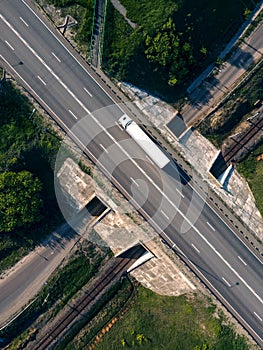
(171, 323)
(26, 144)
(201, 30)
(82, 11)
(251, 167)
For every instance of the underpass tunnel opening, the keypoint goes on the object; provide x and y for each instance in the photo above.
(135, 252)
(96, 207)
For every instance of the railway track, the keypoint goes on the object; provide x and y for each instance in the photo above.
(120, 265)
(254, 129)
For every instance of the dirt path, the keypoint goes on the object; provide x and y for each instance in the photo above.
(122, 10)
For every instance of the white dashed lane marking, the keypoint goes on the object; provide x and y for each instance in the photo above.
(118, 125)
(198, 251)
(179, 193)
(242, 260)
(104, 149)
(210, 226)
(73, 114)
(42, 81)
(134, 182)
(226, 282)
(134, 162)
(87, 91)
(22, 19)
(167, 217)
(11, 47)
(260, 319)
(56, 57)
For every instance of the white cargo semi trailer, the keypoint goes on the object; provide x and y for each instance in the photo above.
(144, 141)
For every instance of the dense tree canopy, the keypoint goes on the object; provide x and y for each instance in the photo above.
(168, 49)
(161, 46)
(172, 42)
(20, 201)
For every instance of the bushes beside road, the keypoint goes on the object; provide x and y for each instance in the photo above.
(27, 153)
(173, 42)
(82, 11)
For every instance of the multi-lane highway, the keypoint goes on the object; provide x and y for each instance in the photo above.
(35, 56)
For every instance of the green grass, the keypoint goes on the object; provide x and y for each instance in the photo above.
(252, 170)
(171, 323)
(82, 11)
(74, 340)
(203, 24)
(26, 144)
(113, 302)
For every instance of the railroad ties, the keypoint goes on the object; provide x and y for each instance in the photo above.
(118, 267)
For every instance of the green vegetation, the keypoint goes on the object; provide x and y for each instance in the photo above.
(95, 319)
(171, 323)
(27, 153)
(82, 11)
(61, 287)
(251, 167)
(253, 25)
(224, 121)
(172, 43)
(221, 124)
(20, 201)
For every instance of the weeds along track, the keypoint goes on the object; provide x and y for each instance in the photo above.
(117, 269)
(253, 130)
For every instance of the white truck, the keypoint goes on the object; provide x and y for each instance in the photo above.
(144, 141)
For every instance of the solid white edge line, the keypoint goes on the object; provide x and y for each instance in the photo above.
(42, 81)
(135, 163)
(56, 57)
(257, 316)
(212, 228)
(87, 91)
(8, 44)
(132, 160)
(198, 251)
(22, 19)
(48, 68)
(219, 215)
(73, 114)
(136, 205)
(62, 44)
(226, 282)
(104, 149)
(239, 257)
(190, 284)
(30, 88)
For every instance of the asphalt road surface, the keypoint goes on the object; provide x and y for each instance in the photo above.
(28, 276)
(165, 197)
